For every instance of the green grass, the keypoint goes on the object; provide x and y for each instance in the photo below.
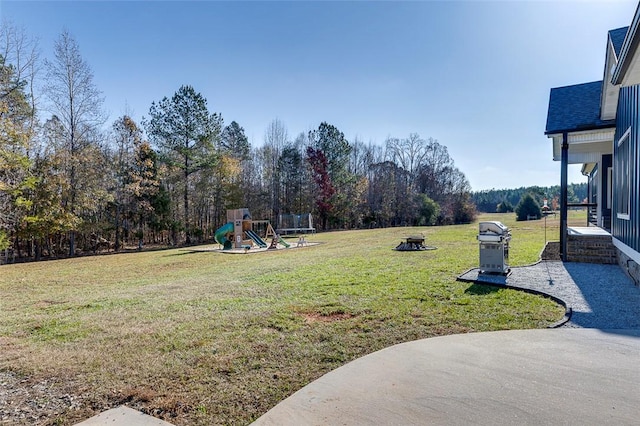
(210, 338)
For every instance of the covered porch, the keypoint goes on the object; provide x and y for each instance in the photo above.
(580, 136)
(593, 150)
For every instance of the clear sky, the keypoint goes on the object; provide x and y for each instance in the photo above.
(475, 75)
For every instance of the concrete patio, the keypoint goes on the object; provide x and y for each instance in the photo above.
(523, 377)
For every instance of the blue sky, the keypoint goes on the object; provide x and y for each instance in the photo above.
(475, 75)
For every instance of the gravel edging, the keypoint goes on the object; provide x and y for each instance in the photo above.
(594, 295)
(500, 282)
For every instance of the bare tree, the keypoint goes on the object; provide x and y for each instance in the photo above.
(275, 139)
(408, 153)
(22, 52)
(77, 103)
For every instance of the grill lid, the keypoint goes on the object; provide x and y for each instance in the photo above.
(493, 228)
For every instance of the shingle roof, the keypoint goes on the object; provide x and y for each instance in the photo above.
(617, 37)
(574, 108)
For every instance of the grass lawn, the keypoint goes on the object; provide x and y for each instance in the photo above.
(211, 338)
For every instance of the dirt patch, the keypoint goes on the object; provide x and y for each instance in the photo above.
(46, 303)
(312, 317)
(27, 402)
(30, 401)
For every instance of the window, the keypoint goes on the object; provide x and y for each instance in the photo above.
(609, 187)
(623, 176)
(594, 181)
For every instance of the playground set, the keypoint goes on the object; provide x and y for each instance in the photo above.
(239, 233)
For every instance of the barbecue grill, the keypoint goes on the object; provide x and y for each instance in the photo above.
(494, 240)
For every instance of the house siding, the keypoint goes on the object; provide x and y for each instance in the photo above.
(628, 117)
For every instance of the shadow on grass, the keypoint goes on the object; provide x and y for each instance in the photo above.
(481, 289)
(182, 253)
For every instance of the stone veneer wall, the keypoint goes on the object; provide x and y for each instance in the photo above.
(629, 266)
(591, 249)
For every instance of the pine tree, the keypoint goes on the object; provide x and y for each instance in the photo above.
(186, 134)
(528, 207)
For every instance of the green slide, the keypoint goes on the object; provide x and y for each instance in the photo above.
(259, 241)
(221, 235)
(283, 242)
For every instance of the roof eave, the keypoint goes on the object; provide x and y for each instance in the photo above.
(628, 47)
(604, 125)
(610, 51)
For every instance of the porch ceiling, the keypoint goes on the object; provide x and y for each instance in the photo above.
(585, 146)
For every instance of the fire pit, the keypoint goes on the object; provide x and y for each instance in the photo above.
(413, 243)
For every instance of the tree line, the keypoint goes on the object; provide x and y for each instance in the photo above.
(503, 200)
(71, 182)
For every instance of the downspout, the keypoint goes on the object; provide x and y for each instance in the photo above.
(563, 195)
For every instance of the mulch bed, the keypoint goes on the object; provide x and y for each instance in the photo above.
(551, 251)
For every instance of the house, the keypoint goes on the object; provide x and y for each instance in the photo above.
(597, 124)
